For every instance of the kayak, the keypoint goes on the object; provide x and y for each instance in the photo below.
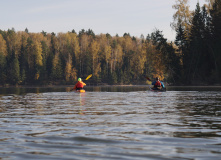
(81, 90)
(158, 90)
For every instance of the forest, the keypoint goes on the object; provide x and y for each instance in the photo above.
(48, 58)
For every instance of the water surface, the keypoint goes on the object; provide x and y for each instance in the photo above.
(110, 123)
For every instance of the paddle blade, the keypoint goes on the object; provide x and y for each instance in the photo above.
(148, 78)
(88, 77)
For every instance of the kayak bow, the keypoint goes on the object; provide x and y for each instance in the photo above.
(158, 90)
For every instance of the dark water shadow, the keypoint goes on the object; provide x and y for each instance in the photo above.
(132, 88)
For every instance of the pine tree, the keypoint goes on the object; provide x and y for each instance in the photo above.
(215, 13)
(14, 71)
(57, 72)
(194, 56)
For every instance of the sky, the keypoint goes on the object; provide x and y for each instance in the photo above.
(136, 17)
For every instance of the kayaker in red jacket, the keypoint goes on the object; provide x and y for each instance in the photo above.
(79, 85)
(157, 84)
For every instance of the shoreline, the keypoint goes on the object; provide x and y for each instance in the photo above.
(67, 86)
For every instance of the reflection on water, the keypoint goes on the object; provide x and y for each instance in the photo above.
(24, 90)
(110, 123)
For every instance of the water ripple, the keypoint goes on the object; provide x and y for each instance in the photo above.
(111, 125)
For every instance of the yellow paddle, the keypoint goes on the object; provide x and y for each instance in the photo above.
(88, 77)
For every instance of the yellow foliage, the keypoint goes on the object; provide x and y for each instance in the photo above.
(117, 55)
(38, 53)
(94, 48)
(55, 60)
(37, 76)
(107, 52)
(154, 57)
(73, 75)
(3, 46)
(97, 69)
(75, 43)
(182, 16)
(68, 69)
(148, 82)
(128, 44)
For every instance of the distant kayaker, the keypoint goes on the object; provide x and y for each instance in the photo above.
(79, 85)
(157, 85)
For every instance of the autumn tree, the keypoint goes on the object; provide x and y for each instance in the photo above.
(182, 17)
(57, 72)
(37, 59)
(210, 4)
(74, 48)
(3, 63)
(168, 57)
(68, 68)
(45, 58)
(94, 49)
(82, 55)
(138, 61)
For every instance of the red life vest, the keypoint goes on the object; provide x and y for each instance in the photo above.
(79, 85)
(157, 84)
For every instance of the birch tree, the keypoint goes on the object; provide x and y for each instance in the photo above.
(182, 16)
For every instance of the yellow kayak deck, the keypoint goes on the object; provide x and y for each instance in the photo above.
(81, 90)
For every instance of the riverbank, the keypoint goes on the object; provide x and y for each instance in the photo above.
(102, 85)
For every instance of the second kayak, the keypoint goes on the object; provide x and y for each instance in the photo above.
(158, 90)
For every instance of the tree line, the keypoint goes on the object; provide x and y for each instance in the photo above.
(49, 58)
(43, 58)
(198, 42)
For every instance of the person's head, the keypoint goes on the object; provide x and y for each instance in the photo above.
(79, 79)
(157, 78)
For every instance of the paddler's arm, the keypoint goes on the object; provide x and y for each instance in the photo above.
(73, 88)
(162, 84)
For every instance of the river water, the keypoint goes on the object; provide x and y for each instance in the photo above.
(108, 123)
